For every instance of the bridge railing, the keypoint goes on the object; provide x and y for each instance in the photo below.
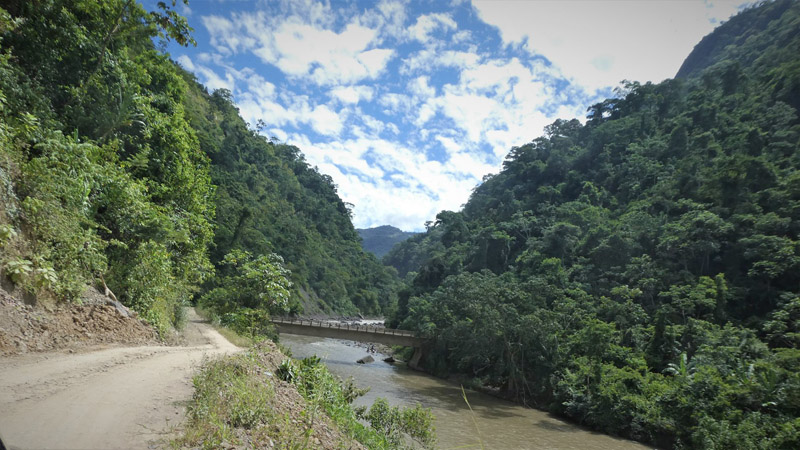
(344, 326)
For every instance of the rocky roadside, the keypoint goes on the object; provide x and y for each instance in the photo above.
(68, 326)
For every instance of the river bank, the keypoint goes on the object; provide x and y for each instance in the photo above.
(240, 402)
(263, 399)
(491, 422)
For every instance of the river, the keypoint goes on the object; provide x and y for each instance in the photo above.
(496, 423)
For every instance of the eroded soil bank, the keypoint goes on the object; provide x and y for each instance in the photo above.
(77, 327)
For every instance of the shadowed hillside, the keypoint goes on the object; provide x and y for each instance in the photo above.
(380, 240)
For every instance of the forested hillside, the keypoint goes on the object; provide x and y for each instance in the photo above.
(380, 240)
(269, 200)
(118, 169)
(639, 273)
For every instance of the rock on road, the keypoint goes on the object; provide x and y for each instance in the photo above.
(122, 397)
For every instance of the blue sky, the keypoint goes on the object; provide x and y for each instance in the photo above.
(406, 104)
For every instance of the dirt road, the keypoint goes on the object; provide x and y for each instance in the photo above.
(123, 397)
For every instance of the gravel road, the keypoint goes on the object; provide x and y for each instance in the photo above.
(122, 397)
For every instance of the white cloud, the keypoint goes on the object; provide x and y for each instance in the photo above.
(254, 82)
(303, 45)
(395, 103)
(225, 35)
(389, 18)
(375, 60)
(214, 81)
(429, 23)
(430, 59)
(352, 94)
(374, 125)
(598, 44)
(402, 187)
(449, 144)
(324, 121)
(497, 103)
(186, 63)
(260, 105)
(420, 88)
(495, 75)
(324, 56)
(425, 113)
(406, 139)
(185, 11)
(470, 165)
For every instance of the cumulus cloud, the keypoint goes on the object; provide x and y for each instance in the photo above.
(352, 94)
(420, 88)
(225, 36)
(324, 121)
(407, 105)
(427, 60)
(427, 24)
(210, 78)
(302, 46)
(598, 44)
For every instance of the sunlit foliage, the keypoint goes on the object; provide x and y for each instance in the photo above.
(639, 273)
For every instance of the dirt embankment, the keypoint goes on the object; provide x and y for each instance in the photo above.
(25, 328)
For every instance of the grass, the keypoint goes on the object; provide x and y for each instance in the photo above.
(226, 396)
(390, 427)
(232, 336)
(241, 400)
(235, 404)
(324, 392)
(472, 416)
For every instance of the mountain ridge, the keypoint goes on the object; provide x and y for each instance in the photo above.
(380, 240)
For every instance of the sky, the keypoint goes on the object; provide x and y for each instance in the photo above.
(407, 105)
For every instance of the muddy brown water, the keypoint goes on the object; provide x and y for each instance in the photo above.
(495, 423)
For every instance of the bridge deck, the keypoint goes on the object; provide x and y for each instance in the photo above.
(360, 333)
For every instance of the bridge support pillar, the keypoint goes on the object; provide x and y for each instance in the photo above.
(414, 362)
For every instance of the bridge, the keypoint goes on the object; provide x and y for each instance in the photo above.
(353, 332)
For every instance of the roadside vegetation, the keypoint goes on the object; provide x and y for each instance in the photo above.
(119, 171)
(263, 398)
(237, 339)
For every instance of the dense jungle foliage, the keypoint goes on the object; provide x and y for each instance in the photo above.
(379, 240)
(269, 200)
(118, 169)
(639, 273)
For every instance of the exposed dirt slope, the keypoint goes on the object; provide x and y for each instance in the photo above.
(123, 397)
(25, 328)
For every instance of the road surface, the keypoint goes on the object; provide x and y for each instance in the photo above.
(122, 397)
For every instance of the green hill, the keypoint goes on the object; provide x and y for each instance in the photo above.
(118, 169)
(379, 240)
(639, 273)
(269, 200)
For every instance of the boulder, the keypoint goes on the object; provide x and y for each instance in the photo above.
(389, 360)
(121, 309)
(366, 359)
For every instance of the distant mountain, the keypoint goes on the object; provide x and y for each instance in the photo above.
(380, 240)
(759, 38)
